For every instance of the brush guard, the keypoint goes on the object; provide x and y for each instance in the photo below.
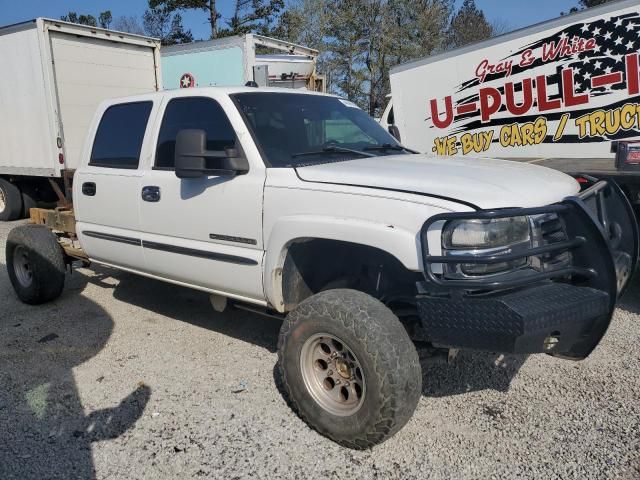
(564, 311)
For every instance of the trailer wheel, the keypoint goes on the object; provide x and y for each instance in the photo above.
(349, 368)
(10, 201)
(35, 263)
(29, 199)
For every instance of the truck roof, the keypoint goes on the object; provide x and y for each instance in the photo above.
(515, 34)
(186, 92)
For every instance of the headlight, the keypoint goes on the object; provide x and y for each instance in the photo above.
(488, 237)
(494, 233)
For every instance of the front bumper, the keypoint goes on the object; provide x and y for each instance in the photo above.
(561, 311)
(552, 317)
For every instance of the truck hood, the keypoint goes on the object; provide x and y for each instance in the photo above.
(485, 183)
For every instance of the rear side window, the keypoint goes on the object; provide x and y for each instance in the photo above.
(119, 137)
(197, 113)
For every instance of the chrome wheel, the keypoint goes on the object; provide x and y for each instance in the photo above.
(22, 266)
(3, 201)
(332, 374)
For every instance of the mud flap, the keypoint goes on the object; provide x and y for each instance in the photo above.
(611, 251)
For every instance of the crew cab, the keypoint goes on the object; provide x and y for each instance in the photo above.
(299, 205)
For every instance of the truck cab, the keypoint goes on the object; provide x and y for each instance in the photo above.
(300, 206)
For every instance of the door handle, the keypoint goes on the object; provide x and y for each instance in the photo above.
(89, 189)
(151, 194)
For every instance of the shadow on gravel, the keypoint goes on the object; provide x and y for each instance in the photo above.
(630, 301)
(192, 306)
(469, 372)
(44, 431)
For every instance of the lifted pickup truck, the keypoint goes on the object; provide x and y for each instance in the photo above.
(301, 206)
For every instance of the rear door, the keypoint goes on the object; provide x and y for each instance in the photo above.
(107, 189)
(89, 71)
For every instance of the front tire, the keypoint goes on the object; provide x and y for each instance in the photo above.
(35, 263)
(349, 368)
(10, 201)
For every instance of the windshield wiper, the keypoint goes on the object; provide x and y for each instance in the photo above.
(388, 146)
(332, 149)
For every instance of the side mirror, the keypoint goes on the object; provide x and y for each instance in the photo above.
(395, 132)
(191, 157)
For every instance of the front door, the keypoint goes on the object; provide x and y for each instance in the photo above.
(204, 232)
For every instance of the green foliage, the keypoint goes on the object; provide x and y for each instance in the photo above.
(208, 6)
(468, 25)
(361, 40)
(582, 4)
(73, 17)
(105, 19)
(253, 16)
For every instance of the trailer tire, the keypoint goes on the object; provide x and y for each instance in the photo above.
(35, 263)
(348, 367)
(29, 199)
(10, 201)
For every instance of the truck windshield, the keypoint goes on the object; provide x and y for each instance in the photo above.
(295, 129)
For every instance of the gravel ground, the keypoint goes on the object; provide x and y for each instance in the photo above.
(125, 377)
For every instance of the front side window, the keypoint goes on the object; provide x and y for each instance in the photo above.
(119, 137)
(198, 113)
(301, 129)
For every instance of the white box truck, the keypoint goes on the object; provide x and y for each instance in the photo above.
(54, 75)
(563, 94)
(234, 61)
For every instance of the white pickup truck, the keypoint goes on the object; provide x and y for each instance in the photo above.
(301, 206)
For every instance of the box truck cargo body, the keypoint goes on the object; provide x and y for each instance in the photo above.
(54, 75)
(234, 61)
(558, 94)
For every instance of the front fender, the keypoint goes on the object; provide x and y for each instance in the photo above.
(397, 241)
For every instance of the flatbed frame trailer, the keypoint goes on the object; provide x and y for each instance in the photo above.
(55, 74)
(584, 169)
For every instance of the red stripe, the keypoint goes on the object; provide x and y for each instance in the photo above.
(632, 74)
(466, 108)
(608, 79)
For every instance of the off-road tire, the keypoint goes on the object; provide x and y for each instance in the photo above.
(38, 246)
(384, 350)
(12, 201)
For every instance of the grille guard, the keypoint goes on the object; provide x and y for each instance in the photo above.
(602, 236)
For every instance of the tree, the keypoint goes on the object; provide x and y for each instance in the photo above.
(582, 4)
(73, 17)
(500, 26)
(468, 25)
(128, 24)
(364, 39)
(253, 16)
(104, 19)
(208, 6)
(161, 23)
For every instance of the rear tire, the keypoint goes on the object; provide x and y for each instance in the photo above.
(349, 368)
(35, 263)
(10, 201)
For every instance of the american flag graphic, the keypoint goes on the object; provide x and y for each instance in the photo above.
(597, 72)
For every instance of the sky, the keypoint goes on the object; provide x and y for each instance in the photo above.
(514, 13)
